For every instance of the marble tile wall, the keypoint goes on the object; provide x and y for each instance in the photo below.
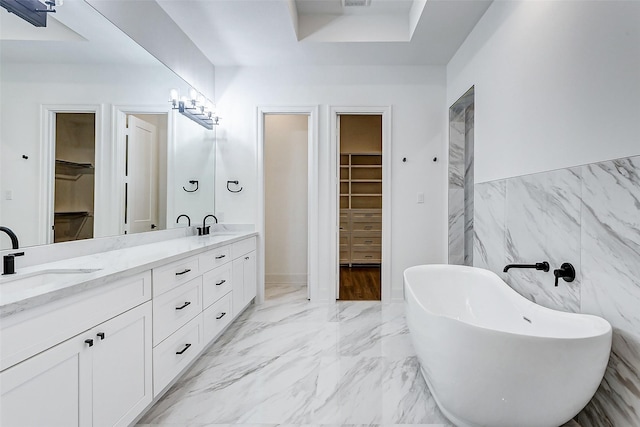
(456, 186)
(588, 216)
(461, 134)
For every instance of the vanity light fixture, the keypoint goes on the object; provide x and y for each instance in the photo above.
(32, 11)
(196, 107)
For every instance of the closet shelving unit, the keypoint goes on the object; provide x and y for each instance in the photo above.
(360, 208)
(74, 176)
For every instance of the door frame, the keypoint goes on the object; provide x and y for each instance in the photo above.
(312, 195)
(334, 196)
(47, 165)
(119, 115)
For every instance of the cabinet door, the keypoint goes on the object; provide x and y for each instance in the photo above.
(122, 357)
(52, 388)
(249, 276)
(238, 285)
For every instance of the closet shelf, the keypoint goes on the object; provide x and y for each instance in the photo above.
(72, 170)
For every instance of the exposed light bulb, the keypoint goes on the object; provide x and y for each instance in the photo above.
(193, 94)
(174, 94)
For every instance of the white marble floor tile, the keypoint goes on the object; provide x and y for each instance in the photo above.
(292, 362)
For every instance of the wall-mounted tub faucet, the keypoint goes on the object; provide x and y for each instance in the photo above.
(566, 271)
(188, 219)
(9, 260)
(205, 228)
(544, 266)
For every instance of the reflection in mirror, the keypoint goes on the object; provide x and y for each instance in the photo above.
(89, 144)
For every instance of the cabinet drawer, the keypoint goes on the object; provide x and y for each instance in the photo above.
(173, 354)
(364, 240)
(174, 274)
(367, 216)
(344, 255)
(214, 258)
(243, 247)
(173, 309)
(217, 317)
(366, 226)
(366, 256)
(215, 284)
(32, 331)
(345, 239)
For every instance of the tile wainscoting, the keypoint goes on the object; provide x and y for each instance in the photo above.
(588, 216)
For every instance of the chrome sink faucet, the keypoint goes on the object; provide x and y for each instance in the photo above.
(9, 261)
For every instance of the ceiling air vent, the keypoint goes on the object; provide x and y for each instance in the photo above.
(356, 3)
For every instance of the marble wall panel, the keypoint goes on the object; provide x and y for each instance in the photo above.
(456, 226)
(611, 284)
(543, 224)
(468, 184)
(489, 226)
(588, 216)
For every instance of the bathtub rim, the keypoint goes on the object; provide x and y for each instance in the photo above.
(607, 329)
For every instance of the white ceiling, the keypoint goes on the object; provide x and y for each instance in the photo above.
(304, 32)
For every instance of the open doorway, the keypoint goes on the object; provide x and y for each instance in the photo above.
(360, 189)
(74, 185)
(286, 196)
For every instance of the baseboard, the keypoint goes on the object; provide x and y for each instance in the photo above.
(286, 279)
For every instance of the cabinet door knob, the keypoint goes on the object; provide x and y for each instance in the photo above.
(247, 258)
(186, 303)
(185, 271)
(221, 316)
(186, 347)
(220, 282)
(89, 342)
(220, 256)
(100, 335)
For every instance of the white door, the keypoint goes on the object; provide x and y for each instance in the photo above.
(50, 389)
(141, 176)
(122, 368)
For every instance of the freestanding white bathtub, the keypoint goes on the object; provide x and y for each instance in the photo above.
(493, 358)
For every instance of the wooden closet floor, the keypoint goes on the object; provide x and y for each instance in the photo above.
(360, 283)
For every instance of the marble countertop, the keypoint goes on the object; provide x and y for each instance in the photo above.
(15, 297)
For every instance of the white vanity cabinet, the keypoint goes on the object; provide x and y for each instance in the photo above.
(244, 273)
(101, 377)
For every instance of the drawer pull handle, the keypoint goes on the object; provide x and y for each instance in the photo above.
(100, 335)
(183, 305)
(186, 270)
(367, 227)
(368, 256)
(221, 316)
(368, 241)
(220, 282)
(186, 347)
(220, 256)
(89, 342)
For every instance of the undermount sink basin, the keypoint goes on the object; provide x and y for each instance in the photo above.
(39, 278)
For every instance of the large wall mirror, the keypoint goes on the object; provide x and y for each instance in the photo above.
(89, 144)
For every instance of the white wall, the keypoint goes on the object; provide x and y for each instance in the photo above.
(557, 84)
(417, 97)
(24, 88)
(285, 170)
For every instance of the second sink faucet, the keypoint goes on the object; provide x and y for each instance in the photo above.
(9, 260)
(188, 219)
(205, 228)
